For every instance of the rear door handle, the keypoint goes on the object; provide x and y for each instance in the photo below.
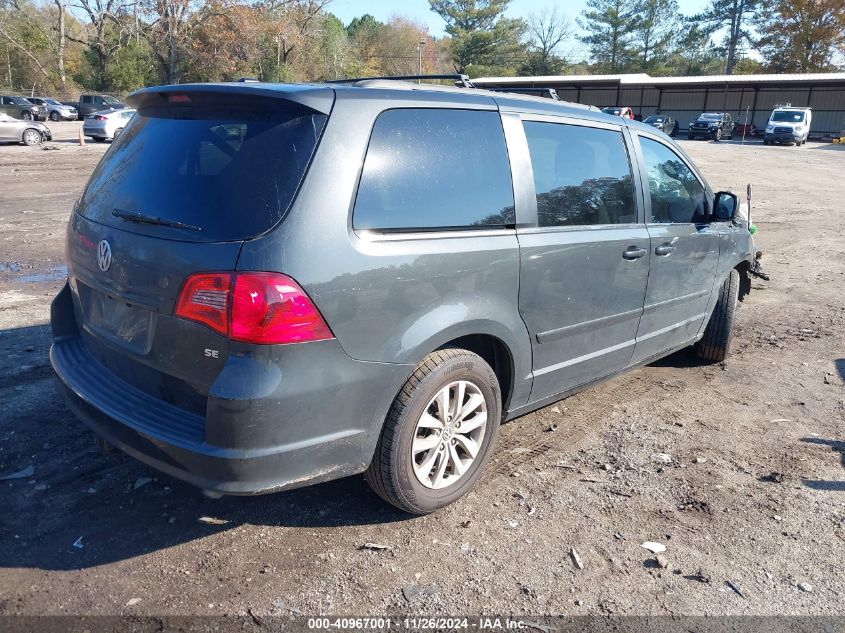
(632, 252)
(664, 249)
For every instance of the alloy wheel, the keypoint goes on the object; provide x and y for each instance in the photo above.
(449, 434)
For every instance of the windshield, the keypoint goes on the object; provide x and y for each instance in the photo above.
(655, 119)
(787, 116)
(110, 100)
(20, 101)
(52, 102)
(231, 170)
(709, 116)
(612, 110)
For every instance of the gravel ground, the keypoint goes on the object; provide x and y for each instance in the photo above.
(749, 499)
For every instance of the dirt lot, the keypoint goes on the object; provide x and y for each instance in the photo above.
(751, 506)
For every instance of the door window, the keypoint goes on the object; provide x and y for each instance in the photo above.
(581, 175)
(677, 196)
(435, 169)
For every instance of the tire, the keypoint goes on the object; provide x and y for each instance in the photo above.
(99, 139)
(689, 137)
(117, 133)
(717, 136)
(716, 342)
(31, 137)
(55, 117)
(392, 473)
(26, 115)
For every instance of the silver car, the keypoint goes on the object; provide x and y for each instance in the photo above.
(107, 124)
(26, 132)
(56, 110)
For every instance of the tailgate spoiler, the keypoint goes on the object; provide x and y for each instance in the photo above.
(316, 97)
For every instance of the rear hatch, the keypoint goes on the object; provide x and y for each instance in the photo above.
(195, 173)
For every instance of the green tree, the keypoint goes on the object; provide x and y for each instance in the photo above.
(733, 15)
(483, 39)
(609, 27)
(801, 35)
(694, 53)
(658, 24)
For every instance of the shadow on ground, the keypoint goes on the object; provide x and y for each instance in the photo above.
(821, 484)
(77, 494)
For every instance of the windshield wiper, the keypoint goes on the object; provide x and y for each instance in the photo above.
(140, 218)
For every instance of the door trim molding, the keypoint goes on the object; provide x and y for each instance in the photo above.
(682, 299)
(669, 328)
(578, 328)
(585, 357)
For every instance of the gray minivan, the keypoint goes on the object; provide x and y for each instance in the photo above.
(276, 285)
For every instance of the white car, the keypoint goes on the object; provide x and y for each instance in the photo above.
(106, 125)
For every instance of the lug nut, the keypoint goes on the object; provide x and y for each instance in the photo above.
(453, 441)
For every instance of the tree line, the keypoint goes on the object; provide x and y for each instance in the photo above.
(65, 46)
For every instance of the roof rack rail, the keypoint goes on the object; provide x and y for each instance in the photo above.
(549, 93)
(459, 79)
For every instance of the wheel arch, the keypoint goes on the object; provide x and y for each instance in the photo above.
(495, 353)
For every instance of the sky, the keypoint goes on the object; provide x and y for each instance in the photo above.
(419, 11)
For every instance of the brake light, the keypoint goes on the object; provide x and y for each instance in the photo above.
(263, 308)
(100, 117)
(205, 298)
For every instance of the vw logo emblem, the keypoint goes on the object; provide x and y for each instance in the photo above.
(104, 255)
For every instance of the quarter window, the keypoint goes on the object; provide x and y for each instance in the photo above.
(581, 174)
(429, 169)
(677, 196)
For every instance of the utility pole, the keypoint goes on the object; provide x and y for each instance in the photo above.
(419, 51)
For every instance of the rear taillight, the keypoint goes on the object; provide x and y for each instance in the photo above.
(100, 117)
(205, 298)
(264, 308)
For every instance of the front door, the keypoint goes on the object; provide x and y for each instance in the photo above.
(684, 252)
(584, 265)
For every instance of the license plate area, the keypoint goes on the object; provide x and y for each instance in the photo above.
(117, 320)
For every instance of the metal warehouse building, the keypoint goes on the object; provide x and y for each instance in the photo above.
(684, 98)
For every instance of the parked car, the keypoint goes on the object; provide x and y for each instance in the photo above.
(788, 125)
(106, 125)
(20, 108)
(273, 285)
(662, 122)
(712, 125)
(19, 131)
(624, 111)
(89, 104)
(56, 110)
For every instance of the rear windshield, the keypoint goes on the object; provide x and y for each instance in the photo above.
(228, 172)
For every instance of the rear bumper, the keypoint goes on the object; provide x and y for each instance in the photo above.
(263, 430)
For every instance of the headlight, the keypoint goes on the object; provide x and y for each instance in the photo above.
(770, 127)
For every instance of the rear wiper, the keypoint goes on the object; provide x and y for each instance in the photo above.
(140, 218)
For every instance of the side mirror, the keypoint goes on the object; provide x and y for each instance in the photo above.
(725, 206)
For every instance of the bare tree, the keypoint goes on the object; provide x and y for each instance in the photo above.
(106, 29)
(547, 30)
